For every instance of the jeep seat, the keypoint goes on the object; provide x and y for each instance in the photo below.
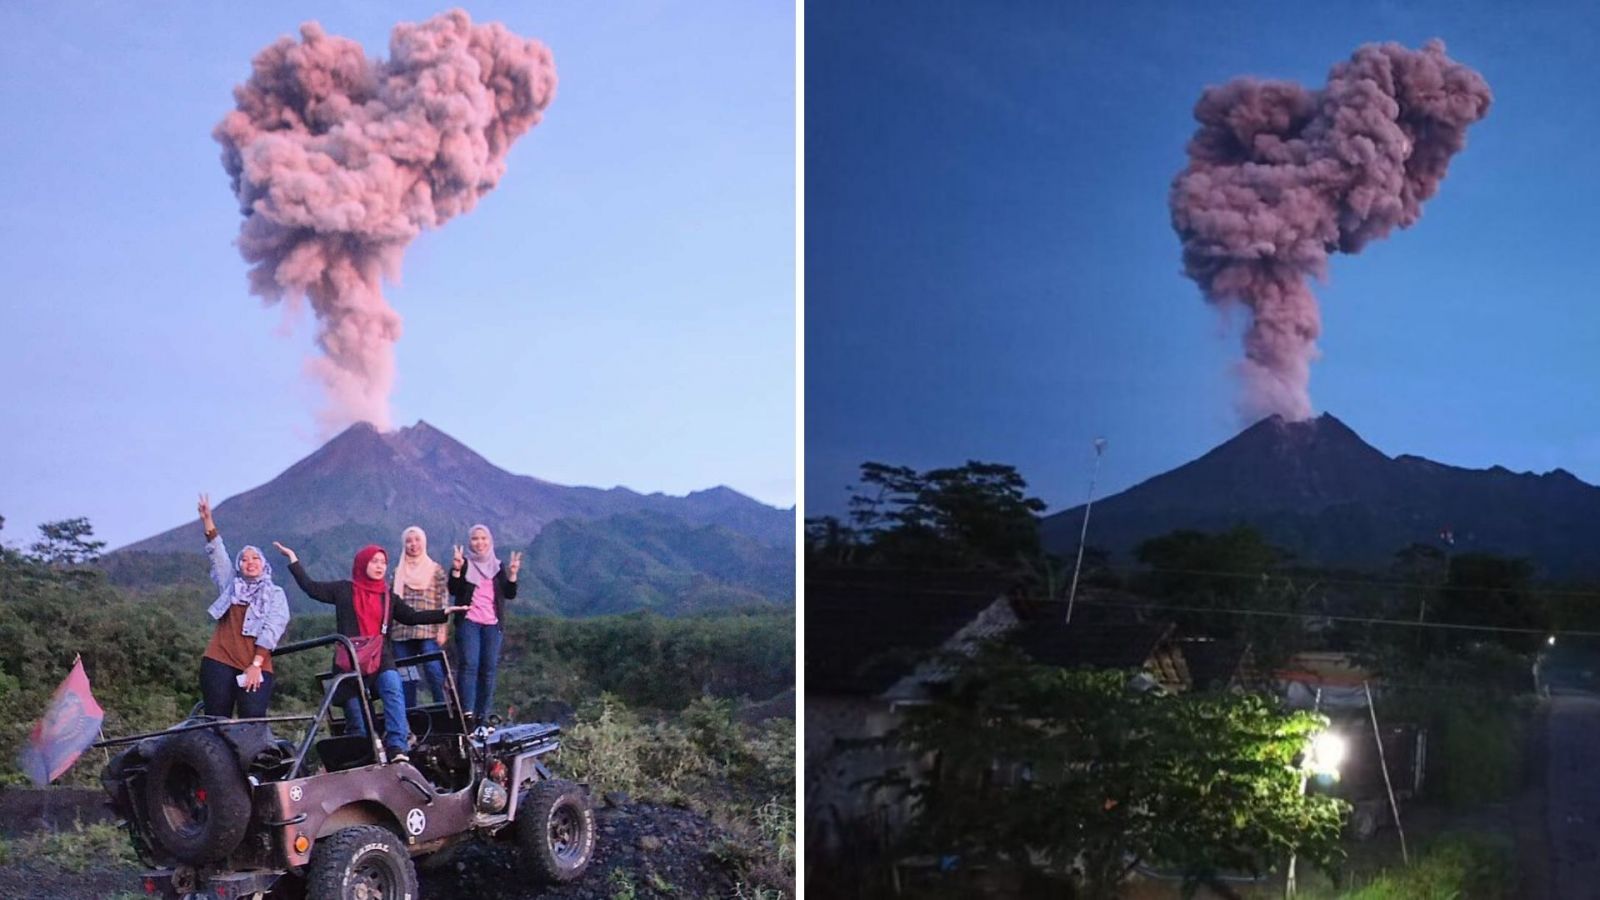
(346, 751)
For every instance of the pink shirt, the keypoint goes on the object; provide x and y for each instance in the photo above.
(482, 610)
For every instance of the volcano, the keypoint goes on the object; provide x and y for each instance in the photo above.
(1318, 490)
(590, 550)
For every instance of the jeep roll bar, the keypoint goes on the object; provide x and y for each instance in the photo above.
(332, 681)
(322, 710)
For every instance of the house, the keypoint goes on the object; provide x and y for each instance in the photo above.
(1150, 647)
(878, 641)
(867, 634)
(1222, 665)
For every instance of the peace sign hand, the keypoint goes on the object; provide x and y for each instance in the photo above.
(516, 563)
(457, 560)
(204, 507)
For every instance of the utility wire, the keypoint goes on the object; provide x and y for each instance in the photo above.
(1363, 582)
(1305, 576)
(1366, 620)
(1369, 620)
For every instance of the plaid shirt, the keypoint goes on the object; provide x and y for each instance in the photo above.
(434, 597)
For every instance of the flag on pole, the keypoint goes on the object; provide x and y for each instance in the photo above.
(68, 728)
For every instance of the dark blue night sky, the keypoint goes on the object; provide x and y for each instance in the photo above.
(991, 273)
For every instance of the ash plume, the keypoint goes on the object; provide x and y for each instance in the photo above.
(339, 161)
(1280, 176)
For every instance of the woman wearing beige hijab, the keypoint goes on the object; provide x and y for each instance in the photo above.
(420, 582)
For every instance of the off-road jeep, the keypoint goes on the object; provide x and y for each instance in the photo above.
(223, 808)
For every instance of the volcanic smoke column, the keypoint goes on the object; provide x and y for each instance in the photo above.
(338, 161)
(1279, 177)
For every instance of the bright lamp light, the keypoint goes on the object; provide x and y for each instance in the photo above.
(1327, 754)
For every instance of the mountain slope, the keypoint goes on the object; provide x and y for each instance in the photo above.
(1317, 489)
(646, 560)
(365, 487)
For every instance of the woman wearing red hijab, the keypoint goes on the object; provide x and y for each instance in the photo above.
(362, 607)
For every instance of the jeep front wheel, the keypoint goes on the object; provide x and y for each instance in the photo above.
(555, 831)
(366, 862)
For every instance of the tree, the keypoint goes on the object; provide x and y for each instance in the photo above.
(830, 540)
(68, 542)
(1233, 569)
(1485, 589)
(1225, 566)
(977, 514)
(1074, 768)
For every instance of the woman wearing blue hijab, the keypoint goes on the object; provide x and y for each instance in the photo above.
(251, 613)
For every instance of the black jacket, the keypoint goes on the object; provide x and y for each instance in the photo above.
(461, 589)
(342, 595)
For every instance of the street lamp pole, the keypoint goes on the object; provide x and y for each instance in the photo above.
(1289, 885)
(1083, 535)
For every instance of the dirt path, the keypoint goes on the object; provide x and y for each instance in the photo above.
(1572, 796)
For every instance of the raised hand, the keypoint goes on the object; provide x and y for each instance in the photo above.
(204, 508)
(286, 552)
(457, 560)
(516, 564)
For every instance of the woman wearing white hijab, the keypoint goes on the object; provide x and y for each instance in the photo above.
(420, 582)
(477, 580)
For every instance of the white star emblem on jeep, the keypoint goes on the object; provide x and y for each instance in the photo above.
(416, 821)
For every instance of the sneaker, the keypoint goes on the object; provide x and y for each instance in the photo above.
(400, 757)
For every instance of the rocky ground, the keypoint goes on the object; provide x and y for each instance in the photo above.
(643, 850)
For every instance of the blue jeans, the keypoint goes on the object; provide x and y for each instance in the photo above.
(480, 657)
(396, 734)
(432, 671)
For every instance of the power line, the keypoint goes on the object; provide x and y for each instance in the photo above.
(1279, 614)
(1366, 620)
(1126, 571)
(1363, 582)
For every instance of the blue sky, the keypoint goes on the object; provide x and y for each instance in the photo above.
(991, 273)
(620, 310)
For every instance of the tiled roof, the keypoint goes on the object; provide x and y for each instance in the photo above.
(866, 629)
(1094, 646)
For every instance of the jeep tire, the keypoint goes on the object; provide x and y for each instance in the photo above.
(366, 861)
(555, 831)
(198, 802)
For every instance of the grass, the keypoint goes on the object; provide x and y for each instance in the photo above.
(1456, 867)
(77, 849)
(622, 886)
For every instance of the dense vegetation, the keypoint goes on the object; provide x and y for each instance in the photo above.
(610, 566)
(1042, 770)
(142, 651)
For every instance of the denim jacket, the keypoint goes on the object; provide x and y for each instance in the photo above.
(264, 620)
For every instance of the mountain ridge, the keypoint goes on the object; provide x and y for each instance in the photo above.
(365, 486)
(371, 461)
(1319, 490)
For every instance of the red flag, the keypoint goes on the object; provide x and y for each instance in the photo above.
(69, 726)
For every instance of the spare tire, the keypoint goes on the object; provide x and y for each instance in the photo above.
(198, 801)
